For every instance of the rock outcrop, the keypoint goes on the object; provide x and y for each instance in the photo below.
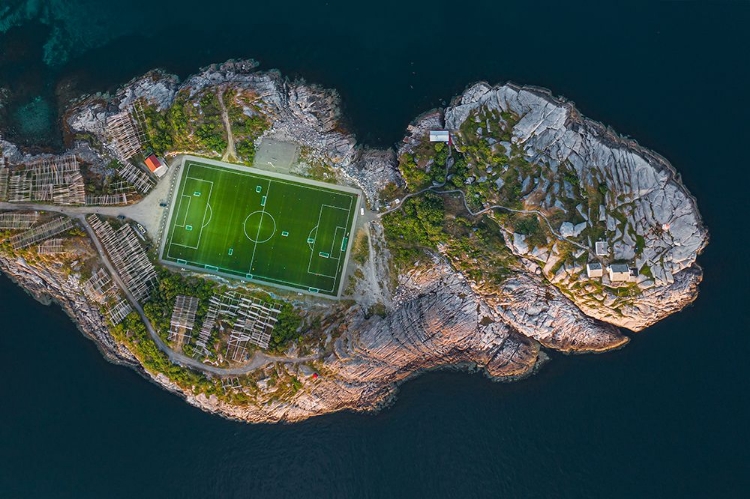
(437, 316)
(652, 220)
(48, 284)
(440, 323)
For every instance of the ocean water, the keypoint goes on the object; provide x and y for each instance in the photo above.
(664, 417)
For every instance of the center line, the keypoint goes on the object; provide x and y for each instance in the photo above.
(257, 235)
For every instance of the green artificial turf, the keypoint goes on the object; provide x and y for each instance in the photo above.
(272, 229)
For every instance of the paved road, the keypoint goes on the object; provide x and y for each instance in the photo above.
(79, 213)
(146, 212)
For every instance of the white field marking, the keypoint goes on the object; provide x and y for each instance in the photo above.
(299, 184)
(208, 206)
(333, 243)
(340, 267)
(328, 191)
(262, 215)
(293, 284)
(312, 253)
(210, 212)
(323, 275)
(272, 180)
(348, 213)
(309, 236)
(256, 277)
(335, 207)
(257, 235)
(312, 248)
(184, 220)
(244, 171)
(200, 234)
(170, 235)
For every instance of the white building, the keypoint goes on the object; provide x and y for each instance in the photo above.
(619, 272)
(156, 165)
(594, 269)
(440, 136)
(633, 275)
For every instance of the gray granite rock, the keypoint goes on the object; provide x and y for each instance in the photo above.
(519, 243)
(642, 186)
(438, 317)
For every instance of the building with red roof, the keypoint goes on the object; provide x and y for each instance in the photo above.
(156, 165)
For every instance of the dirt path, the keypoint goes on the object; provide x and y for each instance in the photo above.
(376, 287)
(434, 188)
(259, 359)
(485, 210)
(513, 210)
(230, 153)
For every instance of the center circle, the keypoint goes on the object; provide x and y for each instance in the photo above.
(259, 227)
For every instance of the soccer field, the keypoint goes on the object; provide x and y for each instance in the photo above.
(266, 227)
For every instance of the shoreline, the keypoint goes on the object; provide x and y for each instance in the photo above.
(436, 318)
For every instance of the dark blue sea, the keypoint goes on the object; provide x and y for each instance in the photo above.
(666, 417)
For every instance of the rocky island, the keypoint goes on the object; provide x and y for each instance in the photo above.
(501, 227)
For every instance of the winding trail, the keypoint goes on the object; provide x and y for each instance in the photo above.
(231, 152)
(434, 188)
(135, 212)
(513, 210)
(376, 285)
(79, 213)
(259, 359)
